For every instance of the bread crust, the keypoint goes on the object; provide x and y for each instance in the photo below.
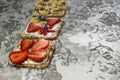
(41, 65)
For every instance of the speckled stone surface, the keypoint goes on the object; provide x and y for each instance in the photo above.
(88, 47)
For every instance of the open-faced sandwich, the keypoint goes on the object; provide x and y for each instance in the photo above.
(47, 28)
(50, 8)
(32, 53)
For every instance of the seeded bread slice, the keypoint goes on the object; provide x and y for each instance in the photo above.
(51, 36)
(41, 65)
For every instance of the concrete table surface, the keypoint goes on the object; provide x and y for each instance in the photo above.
(88, 46)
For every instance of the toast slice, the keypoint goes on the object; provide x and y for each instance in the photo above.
(50, 8)
(30, 63)
(41, 23)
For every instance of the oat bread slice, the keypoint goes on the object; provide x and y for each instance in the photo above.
(53, 35)
(31, 64)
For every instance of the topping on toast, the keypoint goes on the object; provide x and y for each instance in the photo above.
(32, 27)
(18, 57)
(38, 55)
(52, 21)
(40, 44)
(26, 44)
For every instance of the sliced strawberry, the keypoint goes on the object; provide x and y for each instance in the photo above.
(44, 32)
(40, 31)
(53, 21)
(39, 52)
(32, 27)
(18, 57)
(40, 44)
(37, 58)
(26, 44)
(50, 30)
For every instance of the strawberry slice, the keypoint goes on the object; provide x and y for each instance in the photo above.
(38, 56)
(32, 27)
(52, 21)
(40, 44)
(44, 32)
(40, 31)
(26, 44)
(50, 30)
(18, 57)
(41, 51)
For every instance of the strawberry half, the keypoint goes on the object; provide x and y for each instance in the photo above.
(40, 31)
(18, 57)
(40, 44)
(50, 30)
(32, 27)
(38, 56)
(39, 52)
(44, 32)
(52, 21)
(26, 44)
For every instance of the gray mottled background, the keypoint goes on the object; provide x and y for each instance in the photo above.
(88, 47)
